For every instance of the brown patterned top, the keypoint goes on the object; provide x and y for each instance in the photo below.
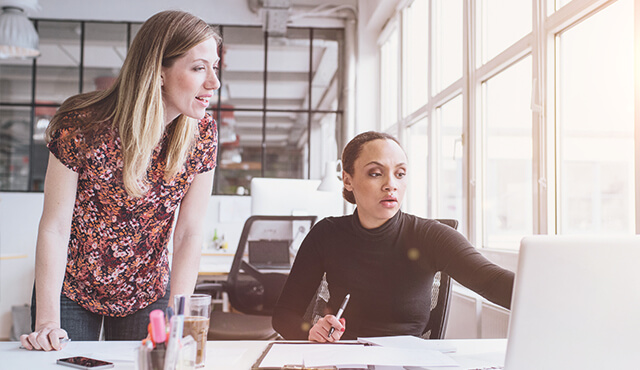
(117, 259)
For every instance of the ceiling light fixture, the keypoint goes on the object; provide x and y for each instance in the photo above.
(18, 37)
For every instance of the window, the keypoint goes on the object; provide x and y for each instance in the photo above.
(501, 24)
(418, 156)
(389, 79)
(275, 122)
(508, 156)
(528, 123)
(449, 173)
(415, 55)
(447, 35)
(595, 123)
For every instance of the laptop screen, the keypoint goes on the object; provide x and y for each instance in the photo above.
(265, 254)
(576, 304)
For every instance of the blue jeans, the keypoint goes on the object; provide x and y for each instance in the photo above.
(83, 325)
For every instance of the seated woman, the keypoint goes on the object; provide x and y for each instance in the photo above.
(384, 258)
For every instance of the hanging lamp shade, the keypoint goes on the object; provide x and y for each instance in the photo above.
(332, 174)
(18, 37)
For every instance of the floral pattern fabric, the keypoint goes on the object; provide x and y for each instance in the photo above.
(117, 259)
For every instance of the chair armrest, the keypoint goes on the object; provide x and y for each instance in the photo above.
(210, 288)
(252, 271)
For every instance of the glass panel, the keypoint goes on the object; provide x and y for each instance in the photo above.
(135, 27)
(288, 70)
(503, 23)
(324, 146)
(449, 176)
(287, 149)
(240, 154)
(554, 5)
(416, 47)
(389, 81)
(327, 46)
(596, 123)
(418, 156)
(447, 31)
(57, 73)
(242, 69)
(15, 80)
(508, 157)
(14, 148)
(104, 51)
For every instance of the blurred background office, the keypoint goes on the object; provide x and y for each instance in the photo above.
(518, 116)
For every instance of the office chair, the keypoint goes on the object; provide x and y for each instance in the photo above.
(255, 282)
(440, 298)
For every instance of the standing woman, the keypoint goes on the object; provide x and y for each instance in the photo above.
(122, 161)
(384, 258)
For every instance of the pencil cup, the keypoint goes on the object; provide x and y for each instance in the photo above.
(186, 359)
(197, 312)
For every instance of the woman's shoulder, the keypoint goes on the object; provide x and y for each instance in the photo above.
(207, 127)
(78, 123)
(332, 223)
(422, 224)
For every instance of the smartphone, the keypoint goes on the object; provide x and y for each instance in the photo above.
(80, 362)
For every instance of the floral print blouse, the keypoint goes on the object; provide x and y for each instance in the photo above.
(117, 259)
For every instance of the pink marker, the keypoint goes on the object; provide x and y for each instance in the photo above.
(158, 328)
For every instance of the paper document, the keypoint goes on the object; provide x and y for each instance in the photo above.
(410, 342)
(281, 354)
(378, 356)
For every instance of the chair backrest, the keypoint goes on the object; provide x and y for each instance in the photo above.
(255, 288)
(440, 299)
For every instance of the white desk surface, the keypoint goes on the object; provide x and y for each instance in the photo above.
(221, 355)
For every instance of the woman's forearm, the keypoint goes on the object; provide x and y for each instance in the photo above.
(185, 265)
(51, 259)
(188, 235)
(53, 238)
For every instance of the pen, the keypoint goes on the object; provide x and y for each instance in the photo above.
(340, 311)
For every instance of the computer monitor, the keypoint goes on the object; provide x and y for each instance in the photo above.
(297, 197)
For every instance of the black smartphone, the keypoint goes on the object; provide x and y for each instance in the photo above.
(80, 362)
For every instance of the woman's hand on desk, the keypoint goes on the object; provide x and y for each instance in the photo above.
(320, 331)
(47, 338)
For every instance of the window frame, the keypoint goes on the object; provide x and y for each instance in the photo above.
(540, 44)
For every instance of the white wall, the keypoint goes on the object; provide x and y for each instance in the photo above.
(19, 216)
(234, 12)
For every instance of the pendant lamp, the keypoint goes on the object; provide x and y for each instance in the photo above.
(18, 37)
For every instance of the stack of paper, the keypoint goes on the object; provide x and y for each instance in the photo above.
(381, 353)
(409, 341)
(360, 357)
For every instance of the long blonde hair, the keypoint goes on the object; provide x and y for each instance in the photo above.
(134, 102)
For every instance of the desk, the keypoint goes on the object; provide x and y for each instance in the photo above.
(221, 355)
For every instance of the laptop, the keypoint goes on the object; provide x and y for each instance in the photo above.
(576, 304)
(270, 254)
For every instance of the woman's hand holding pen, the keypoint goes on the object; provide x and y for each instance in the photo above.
(46, 338)
(320, 331)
